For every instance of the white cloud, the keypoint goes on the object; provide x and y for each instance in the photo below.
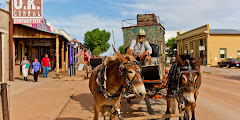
(78, 25)
(187, 14)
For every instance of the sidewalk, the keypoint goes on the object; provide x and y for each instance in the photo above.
(43, 100)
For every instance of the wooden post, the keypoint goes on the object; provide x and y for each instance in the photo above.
(194, 48)
(5, 111)
(1, 80)
(66, 59)
(57, 57)
(11, 74)
(62, 56)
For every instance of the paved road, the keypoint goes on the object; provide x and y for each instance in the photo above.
(218, 100)
(219, 94)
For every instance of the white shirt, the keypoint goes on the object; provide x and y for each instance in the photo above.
(139, 48)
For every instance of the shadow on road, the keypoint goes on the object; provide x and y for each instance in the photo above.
(86, 101)
(232, 77)
(69, 118)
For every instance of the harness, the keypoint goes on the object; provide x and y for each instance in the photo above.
(175, 75)
(123, 71)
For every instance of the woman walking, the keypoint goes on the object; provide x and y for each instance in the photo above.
(25, 66)
(36, 67)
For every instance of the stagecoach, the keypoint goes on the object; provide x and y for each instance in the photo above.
(153, 75)
(94, 62)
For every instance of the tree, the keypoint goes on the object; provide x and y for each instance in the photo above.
(97, 51)
(171, 44)
(121, 49)
(97, 41)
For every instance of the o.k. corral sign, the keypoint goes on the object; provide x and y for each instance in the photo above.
(27, 11)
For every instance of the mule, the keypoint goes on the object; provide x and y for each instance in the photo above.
(122, 73)
(184, 82)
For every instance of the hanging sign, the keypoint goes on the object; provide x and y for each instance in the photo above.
(202, 48)
(27, 11)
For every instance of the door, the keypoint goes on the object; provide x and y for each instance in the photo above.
(34, 53)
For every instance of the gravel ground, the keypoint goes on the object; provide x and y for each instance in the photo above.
(70, 98)
(218, 99)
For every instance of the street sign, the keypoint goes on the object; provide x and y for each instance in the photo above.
(27, 11)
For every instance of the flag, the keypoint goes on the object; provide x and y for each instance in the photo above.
(88, 54)
(79, 53)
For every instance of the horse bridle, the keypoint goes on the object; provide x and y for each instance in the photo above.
(183, 70)
(123, 67)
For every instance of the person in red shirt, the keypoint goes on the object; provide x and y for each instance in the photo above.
(45, 65)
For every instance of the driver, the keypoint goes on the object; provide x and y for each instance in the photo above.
(141, 48)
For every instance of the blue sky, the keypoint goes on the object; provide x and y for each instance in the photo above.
(79, 16)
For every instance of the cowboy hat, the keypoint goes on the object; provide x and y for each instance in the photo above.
(141, 32)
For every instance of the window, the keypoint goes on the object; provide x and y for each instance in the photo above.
(201, 42)
(238, 53)
(223, 52)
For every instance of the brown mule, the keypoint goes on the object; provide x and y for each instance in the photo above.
(120, 71)
(184, 83)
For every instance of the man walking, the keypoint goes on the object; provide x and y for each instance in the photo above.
(45, 65)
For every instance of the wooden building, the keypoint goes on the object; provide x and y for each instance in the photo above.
(34, 43)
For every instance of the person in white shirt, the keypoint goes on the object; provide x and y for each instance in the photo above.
(141, 48)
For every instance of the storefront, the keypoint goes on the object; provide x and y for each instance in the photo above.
(4, 45)
(35, 43)
(214, 44)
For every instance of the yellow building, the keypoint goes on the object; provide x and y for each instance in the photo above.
(214, 44)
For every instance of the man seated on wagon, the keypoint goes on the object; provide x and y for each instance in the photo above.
(141, 49)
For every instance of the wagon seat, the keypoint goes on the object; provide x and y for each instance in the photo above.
(150, 73)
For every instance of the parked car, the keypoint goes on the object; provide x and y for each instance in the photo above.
(229, 62)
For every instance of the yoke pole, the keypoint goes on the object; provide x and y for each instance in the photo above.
(154, 117)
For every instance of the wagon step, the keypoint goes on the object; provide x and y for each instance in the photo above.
(154, 117)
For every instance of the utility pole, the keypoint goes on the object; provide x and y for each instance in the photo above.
(113, 39)
(11, 77)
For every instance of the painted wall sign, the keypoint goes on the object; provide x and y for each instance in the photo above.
(27, 11)
(38, 43)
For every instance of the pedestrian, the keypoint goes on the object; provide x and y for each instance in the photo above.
(36, 66)
(46, 65)
(25, 66)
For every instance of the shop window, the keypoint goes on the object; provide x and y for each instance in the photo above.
(186, 50)
(223, 53)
